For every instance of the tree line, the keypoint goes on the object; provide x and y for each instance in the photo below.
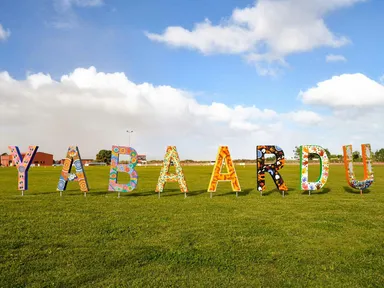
(378, 155)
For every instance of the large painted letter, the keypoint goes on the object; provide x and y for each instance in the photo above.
(305, 150)
(165, 176)
(127, 168)
(224, 155)
(272, 169)
(73, 157)
(23, 164)
(348, 164)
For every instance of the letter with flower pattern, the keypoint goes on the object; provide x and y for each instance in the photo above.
(224, 155)
(127, 168)
(171, 155)
(272, 169)
(73, 158)
(22, 164)
(305, 150)
(367, 161)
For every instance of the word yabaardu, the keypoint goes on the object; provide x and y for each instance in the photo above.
(223, 156)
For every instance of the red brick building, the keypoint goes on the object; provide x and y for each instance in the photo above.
(40, 159)
(5, 160)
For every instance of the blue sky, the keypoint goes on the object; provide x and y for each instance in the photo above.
(51, 38)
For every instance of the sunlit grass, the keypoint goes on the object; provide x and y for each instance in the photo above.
(333, 238)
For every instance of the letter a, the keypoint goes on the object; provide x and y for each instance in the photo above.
(348, 164)
(224, 155)
(271, 169)
(22, 164)
(73, 157)
(127, 168)
(305, 150)
(165, 176)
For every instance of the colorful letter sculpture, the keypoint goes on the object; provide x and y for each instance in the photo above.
(348, 164)
(224, 155)
(127, 168)
(73, 157)
(305, 150)
(22, 164)
(272, 169)
(165, 176)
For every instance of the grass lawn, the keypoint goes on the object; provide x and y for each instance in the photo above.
(333, 238)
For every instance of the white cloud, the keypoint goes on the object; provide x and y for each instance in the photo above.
(93, 110)
(63, 5)
(65, 17)
(4, 33)
(346, 90)
(305, 117)
(335, 58)
(264, 33)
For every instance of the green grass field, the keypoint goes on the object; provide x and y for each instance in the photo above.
(333, 238)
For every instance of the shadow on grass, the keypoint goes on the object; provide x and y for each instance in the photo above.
(109, 194)
(286, 193)
(321, 191)
(245, 192)
(45, 193)
(190, 193)
(130, 194)
(355, 191)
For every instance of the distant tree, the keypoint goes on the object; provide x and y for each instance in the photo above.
(311, 156)
(328, 153)
(296, 152)
(104, 156)
(356, 155)
(337, 157)
(4, 154)
(379, 155)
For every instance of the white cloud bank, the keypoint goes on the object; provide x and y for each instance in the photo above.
(264, 33)
(335, 58)
(4, 33)
(93, 110)
(347, 91)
